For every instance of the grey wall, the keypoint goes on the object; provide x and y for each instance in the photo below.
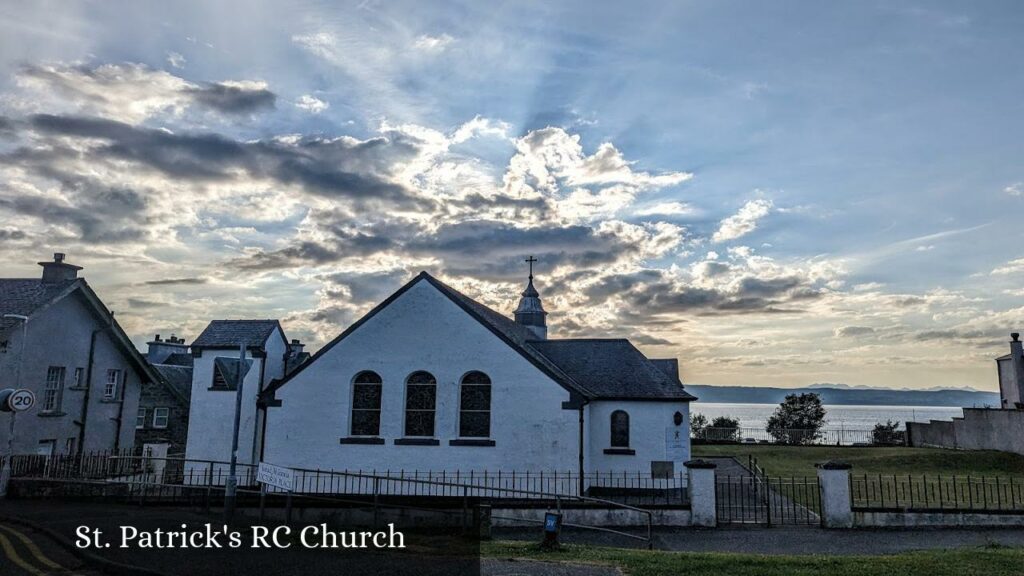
(59, 336)
(979, 429)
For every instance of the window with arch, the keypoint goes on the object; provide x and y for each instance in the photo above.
(620, 429)
(475, 406)
(420, 404)
(367, 390)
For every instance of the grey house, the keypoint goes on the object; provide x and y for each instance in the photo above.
(162, 416)
(58, 340)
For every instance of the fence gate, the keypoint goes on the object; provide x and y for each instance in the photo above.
(769, 501)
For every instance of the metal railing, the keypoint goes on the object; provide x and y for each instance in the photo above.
(634, 488)
(145, 479)
(942, 493)
(822, 437)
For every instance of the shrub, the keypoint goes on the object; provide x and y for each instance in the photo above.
(698, 427)
(886, 434)
(798, 419)
(724, 429)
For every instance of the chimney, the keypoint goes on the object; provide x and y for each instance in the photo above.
(159, 349)
(296, 347)
(58, 270)
(1017, 366)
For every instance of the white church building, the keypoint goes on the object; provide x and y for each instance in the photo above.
(431, 380)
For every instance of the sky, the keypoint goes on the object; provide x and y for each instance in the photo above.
(779, 193)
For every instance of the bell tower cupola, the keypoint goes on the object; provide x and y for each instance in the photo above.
(530, 312)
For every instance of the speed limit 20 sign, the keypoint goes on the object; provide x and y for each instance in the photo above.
(16, 400)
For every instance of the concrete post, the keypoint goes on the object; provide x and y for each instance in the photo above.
(836, 503)
(701, 487)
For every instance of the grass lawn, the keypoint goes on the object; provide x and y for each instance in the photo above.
(967, 562)
(800, 460)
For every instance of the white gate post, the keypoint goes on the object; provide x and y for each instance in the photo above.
(836, 504)
(701, 487)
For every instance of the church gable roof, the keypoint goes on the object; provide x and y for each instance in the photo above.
(612, 369)
(553, 357)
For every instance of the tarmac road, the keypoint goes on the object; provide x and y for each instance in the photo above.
(26, 552)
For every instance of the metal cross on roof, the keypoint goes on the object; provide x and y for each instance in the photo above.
(530, 261)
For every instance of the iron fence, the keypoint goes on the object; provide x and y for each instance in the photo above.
(822, 437)
(629, 487)
(942, 493)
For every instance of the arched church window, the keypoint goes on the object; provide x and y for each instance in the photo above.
(475, 406)
(367, 388)
(420, 404)
(620, 429)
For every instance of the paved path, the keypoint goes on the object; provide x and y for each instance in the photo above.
(795, 540)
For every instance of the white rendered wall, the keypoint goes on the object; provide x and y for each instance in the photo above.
(648, 426)
(423, 330)
(211, 413)
(1009, 392)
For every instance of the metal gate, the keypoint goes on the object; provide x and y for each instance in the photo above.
(769, 501)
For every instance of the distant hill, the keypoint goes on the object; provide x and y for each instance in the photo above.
(845, 395)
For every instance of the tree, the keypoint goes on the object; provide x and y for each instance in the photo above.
(887, 434)
(798, 419)
(724, 429)
(698, 427)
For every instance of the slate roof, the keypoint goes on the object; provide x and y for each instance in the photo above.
(231, 333)
(24, 296)
(179, 378)
(179, 359)
(27, 296)
(228, 368)
(612, 369)
(593, 369)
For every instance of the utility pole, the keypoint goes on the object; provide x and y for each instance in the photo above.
(231, 489)
(5, 472)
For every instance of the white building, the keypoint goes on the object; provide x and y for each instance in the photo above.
(432, 380)
(1010, 370)
(215, 374)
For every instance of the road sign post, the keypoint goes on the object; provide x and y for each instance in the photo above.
(278, 477)
(12, 401)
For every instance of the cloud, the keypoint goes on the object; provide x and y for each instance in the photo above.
(743, 222)
(176, 60)
(311, 104)
(853, 331)
(133, 92)
(1011, 267)
(1015, 189)
(426, 43)
(233, 97)
(666, 209)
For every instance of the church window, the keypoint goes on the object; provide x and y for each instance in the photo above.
(620, 429)
(420, 404)
(475, 406)
(366, 397)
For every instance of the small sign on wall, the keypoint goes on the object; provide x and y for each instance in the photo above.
(661, 470)
(675, 443)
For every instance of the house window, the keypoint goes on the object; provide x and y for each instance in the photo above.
(620, 429)
(218, 378)
(54, 389)
(110, 388)
(366, 396)
(475, 406)
(79, 381)
(160, 417)
(420, 402)
(140, 419)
